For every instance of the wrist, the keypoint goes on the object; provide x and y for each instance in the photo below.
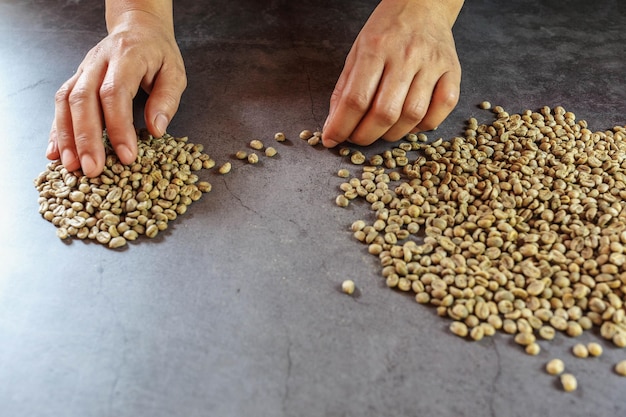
(137, 12)
(447, 9)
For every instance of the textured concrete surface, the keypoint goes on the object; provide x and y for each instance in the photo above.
(235, 310)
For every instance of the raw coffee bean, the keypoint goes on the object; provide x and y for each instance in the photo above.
(225, 168)
(580, 351)
(256, 144)
(555, 367)
(569, 382)
(348, 286)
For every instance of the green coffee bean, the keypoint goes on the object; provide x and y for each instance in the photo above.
(594, 349)
(305, 134)
(253, 158)
(342, 201)
(533, 349)
(225, 168)
(343, 173)
(348, 286)
(569, 382)
(555, 367)
(117, 242)
(580, 351)
(459, 328)
(256, 144)
(485, 105)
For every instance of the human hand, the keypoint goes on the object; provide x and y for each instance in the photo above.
(140, 50)
(402, 74)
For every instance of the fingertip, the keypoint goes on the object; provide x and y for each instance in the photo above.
(163, 102)
(392, 139)
(89, 166)
(69, 160)
(52, 151)
(125, 154)
(124, 142)
(428, 126)
(329, 140)
(160, 124)
(329, 143)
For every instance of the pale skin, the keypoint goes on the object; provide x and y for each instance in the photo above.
(402, 75)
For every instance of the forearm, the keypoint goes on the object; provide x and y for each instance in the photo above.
(119, 11)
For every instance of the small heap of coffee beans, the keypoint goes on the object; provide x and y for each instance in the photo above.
(125, 201)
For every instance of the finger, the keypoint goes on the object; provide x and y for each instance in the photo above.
(444, 100)
(354, 100)
(339, 87)
(117, 91)
(62, 133)
(52, 151)
(334, 99)
(387, 107)
(164, 99)
(86, 117)
(414, 108)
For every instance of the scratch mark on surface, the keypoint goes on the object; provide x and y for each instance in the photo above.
(496, 378)
(305, 68)
(30, 87)
(287, 376)
(241, 201)
(308, 80)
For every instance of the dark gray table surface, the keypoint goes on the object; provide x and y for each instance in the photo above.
(235, 310)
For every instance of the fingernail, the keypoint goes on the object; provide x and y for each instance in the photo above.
(68, 157)
(51, 148)
(124, 154)
(88, 165)
(160, 123)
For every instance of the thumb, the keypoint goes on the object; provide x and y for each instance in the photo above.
(163, 102)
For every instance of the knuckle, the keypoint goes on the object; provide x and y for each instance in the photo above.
(181, 82)
(387, 115)
(108, 90)
(357, 101)
(335, 97)
(170, 101)
(414, 114)
(375, 41)
(176, 73)
(63, 93)
(77, 96)
(82, 141)
(450, 98)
